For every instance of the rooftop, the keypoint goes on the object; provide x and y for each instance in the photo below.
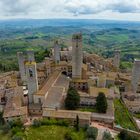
(14, 106)
(51, 80)
(56, 92)
(21, 111)
(94, 91)
(30, 63)
(79, 80)
(66, 114)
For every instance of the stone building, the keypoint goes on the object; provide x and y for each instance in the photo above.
(136, 75)
(116, 60)
(77, 56)
(84, 117)
(56, 52)
(21, 61)
(14, 108)
(32, 80)
(30, 55)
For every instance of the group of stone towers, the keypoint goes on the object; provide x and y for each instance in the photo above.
(28, 73)
(28, 69)
(77, 55)
(135, 81)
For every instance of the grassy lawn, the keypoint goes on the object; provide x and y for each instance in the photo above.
(117, 138)
(122, 116)
(127, 65)
(137, 115)
(4, 137)
(119, 38)
(52, 132)
(88, 109)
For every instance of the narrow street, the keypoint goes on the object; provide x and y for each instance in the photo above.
(102, 129)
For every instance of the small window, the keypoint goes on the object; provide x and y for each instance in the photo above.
(39, 100)
(77, 45)
(30, 72)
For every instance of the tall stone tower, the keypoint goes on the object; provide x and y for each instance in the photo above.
(136, 75)
(77, 56)
(116, 60)
(21, 61)
(30, 55)
(56, 52)
(32, 79)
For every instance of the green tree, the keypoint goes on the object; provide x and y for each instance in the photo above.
(36, 123)
(6, 128)
(92, 133)
(124, 135)
(107, 136)
(16, 123)
(77, 123)
(68, 136)
(15, 130)
(72, 100)
(101, 103)
(1, 118)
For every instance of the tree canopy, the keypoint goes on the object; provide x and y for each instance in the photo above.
(101, 103)
(72, 100)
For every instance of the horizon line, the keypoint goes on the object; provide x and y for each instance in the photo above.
(120, 20)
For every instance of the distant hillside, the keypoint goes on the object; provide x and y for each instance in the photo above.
(33, 23)
(99, 36)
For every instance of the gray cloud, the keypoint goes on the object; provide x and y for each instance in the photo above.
(126, 7)
(79, 7)
(12, 7)
(58, 8)
(17, 7)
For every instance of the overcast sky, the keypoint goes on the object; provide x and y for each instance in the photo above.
(91, 9)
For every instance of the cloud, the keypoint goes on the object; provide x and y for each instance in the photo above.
(65, 8)
(78, 7)
(18, 7)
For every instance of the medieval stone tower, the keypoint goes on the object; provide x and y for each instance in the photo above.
(136, 75)
(30, 55)
(116, 60)
(21, 61)
(77, 56)
(31, 74)
(56, 52)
